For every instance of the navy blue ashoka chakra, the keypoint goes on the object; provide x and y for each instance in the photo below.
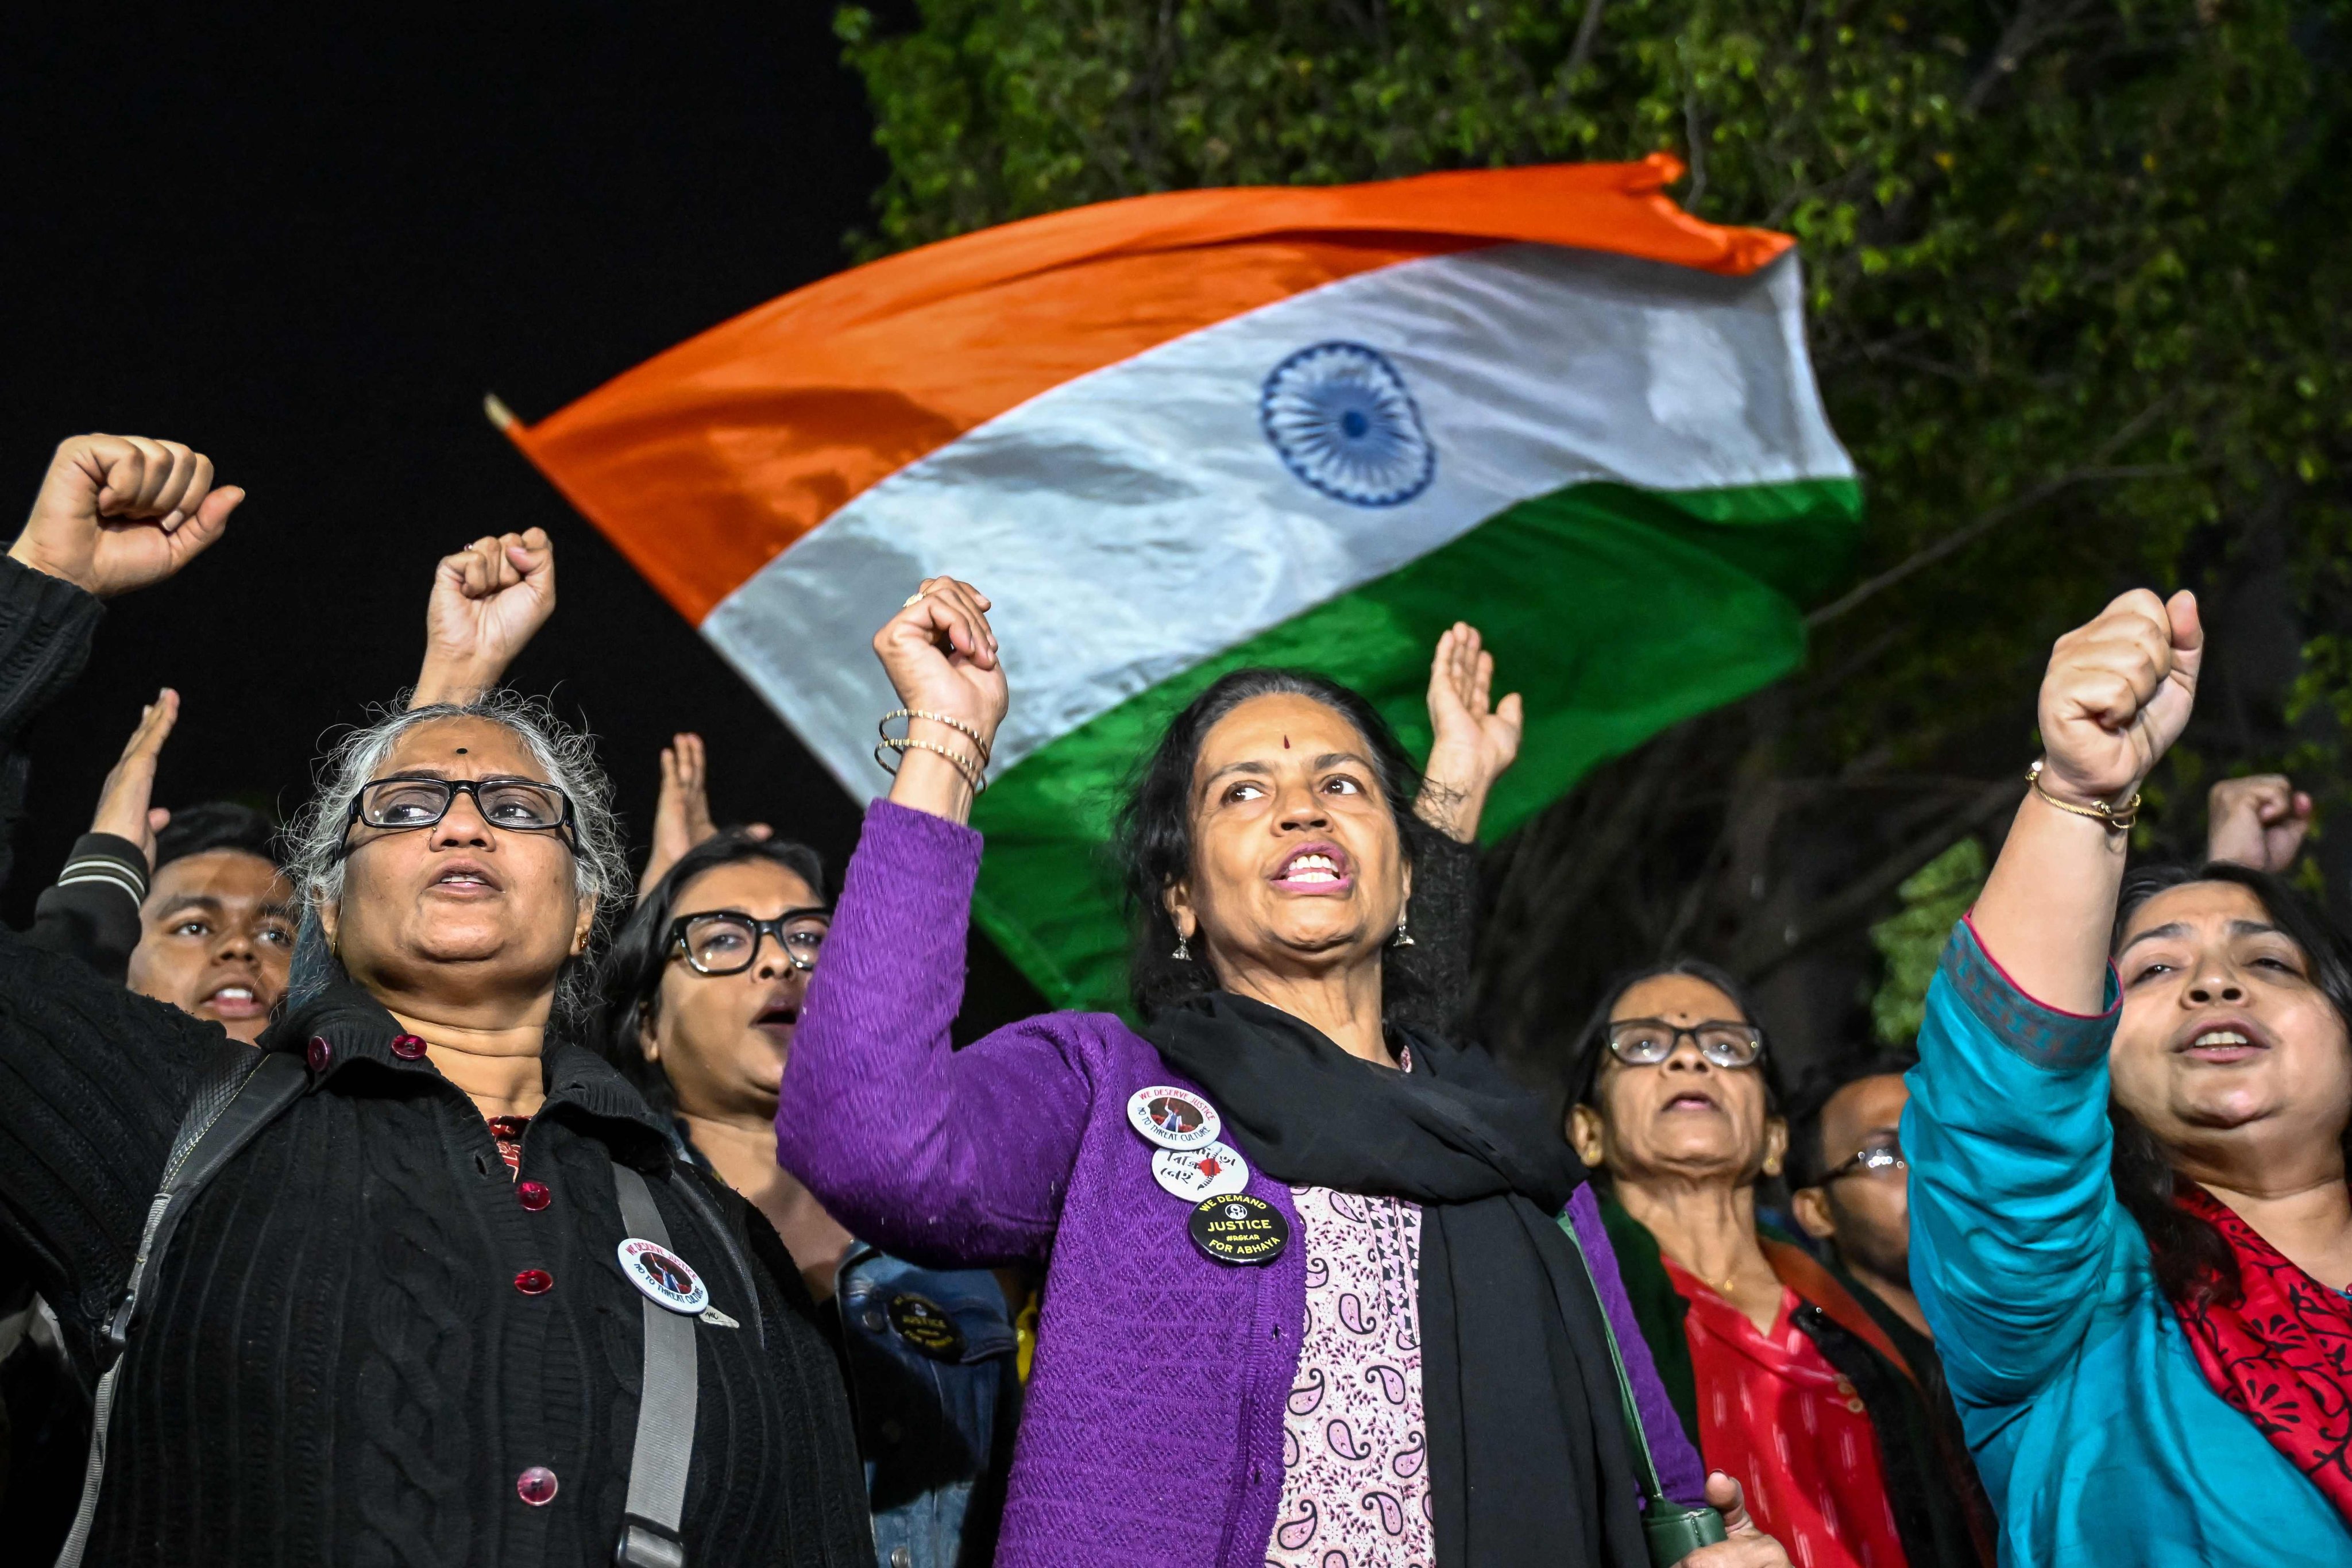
(1339, 416)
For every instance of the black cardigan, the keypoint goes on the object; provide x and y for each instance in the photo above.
(334, 1362)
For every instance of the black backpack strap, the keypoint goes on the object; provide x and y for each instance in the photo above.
(228, 1107)
(685, 1183)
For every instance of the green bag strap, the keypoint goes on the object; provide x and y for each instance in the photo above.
(1672, 1531)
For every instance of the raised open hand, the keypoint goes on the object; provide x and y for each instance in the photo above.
(124, 808)
(2117, 694)
(118, 513)
(682, 810)
(1473, 743)
(489, 600)
(2259, 821)
(1744, 1545)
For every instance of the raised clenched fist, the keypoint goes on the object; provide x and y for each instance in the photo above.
(489, 600)
(2259, 821)
(118, 513)
(940, 655)
(2117, 694)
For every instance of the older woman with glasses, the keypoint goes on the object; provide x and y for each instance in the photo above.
(428, 1283)
(697, 1003)
(1782, 1377)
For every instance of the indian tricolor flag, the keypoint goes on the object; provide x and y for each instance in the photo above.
(1184, 433)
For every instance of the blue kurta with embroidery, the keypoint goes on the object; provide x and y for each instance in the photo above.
(2095, 1431)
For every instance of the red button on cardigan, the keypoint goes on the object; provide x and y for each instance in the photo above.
(534, 1281)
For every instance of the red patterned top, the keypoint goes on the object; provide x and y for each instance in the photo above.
(1788, 1426)
(508, 1131)
(2282, 1353)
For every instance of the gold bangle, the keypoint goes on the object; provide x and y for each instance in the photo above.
(912, 714)
(2114, 818)
(972, 771)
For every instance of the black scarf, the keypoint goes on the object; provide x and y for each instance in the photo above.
(1528, 1458)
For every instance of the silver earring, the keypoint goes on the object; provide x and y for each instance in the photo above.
(1403, 937)
(1183, 953)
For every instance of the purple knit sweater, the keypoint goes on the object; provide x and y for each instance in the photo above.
(1152, 1431)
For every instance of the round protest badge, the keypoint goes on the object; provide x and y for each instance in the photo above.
(663, 1276)
(926, 1326)
(1239, 1229)
(1173, 1118)
(1209, 1172)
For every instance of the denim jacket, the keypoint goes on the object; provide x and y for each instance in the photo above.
(937, 1396)
(935, 1388)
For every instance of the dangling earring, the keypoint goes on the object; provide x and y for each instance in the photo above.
(1403, 937)
(1183, 953)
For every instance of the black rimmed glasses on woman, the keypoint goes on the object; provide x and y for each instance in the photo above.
(403, 804)
(1647, 1042)
(727, 941)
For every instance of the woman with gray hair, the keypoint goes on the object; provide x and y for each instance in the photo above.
(444, 1295)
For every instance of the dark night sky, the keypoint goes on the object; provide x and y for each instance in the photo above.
(307, 244)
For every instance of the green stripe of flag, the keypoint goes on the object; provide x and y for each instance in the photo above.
(1615, 611)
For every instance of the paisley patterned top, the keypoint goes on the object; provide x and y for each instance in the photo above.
(1355, 1446)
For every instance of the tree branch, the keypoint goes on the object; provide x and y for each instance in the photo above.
(1588, 32)
(1697, 153)
(1761, 953)
(1969, 533)
(2034, 24)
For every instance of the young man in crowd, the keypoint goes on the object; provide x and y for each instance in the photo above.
(1850, 1190)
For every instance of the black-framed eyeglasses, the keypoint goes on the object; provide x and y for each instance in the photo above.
(727, 941)
(1874, 1161)
(1647, 1042)
(522, 805)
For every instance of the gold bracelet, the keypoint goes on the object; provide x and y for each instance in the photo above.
(2114, 818)
(972, 771)
(912, 714)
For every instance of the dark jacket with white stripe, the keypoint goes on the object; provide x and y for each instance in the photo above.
(92, 909)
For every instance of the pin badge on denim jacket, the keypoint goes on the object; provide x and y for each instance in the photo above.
(926, 1325)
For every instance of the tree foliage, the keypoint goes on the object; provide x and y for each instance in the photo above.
(1911, 941)
(2078, 306)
